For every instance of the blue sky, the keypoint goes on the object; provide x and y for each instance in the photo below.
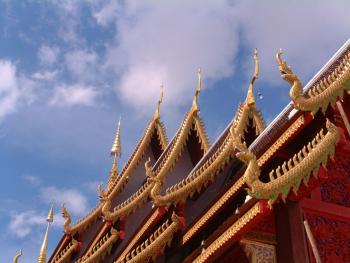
(69, 69)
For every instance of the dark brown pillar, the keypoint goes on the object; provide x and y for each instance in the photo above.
(290, 234)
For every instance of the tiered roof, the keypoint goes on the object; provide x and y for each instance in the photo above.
(114, 187)
(164, 165)
(213, 162)
(219, 177)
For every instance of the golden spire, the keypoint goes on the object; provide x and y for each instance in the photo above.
(198, 89)
(250, 99)
(116, 149)
(157, 113)
(15, 259)
(43, 250)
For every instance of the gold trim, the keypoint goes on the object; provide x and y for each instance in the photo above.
(129, 167)
(229, 233)
(138, 235)
(155, 244)
(101, 248)
(66, 253)
(213, 209)
(281, 140)
(172, 154)
(207, 172)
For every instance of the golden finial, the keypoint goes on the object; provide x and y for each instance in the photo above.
(250, 99)
(157, 113)
(15, 259)
(116, 149)
(43, 250)
(68, 219)
(198, 89)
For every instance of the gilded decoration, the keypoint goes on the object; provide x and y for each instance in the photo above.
(290, 174)
(225, 237)
(65, 255)
(172, 154)
(212, 210)
(155, 244)
(138, 235)
(117, 185)
(206, 173)
(323, 92)
(281, 140)
(101, 248)
(68, 220)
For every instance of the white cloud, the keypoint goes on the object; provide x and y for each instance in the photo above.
(45, 75)
(107, 13)
(71, 95)
(309, 33)
(168, 41)
(21, 224)
(9, 89)
(48, 55)
(33, 180)
(74, 200)
(82, 64)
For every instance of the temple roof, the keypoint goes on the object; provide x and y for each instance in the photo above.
(205, 170)
(115, 186)
(321, 91)
(164, 164)
(218, 156)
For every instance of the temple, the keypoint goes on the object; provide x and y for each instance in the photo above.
(279, 193)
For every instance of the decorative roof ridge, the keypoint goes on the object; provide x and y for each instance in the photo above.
(139, 234)
(289, 111)
(121, 181)
(101, 247)
(155, 243)
(322, 93)
(164, 164)
(248, 110)
(129, 205)
(298, 168)
(83, 223)
(137, 154)
(232, 231)
(201, 176)
(176, 146)
(213, 209)
(65, 254)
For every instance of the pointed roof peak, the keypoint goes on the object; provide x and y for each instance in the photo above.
(250, 99)
(116, 147)
(43, 249)
(198, 89)
(157, 113)
(50, 214)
